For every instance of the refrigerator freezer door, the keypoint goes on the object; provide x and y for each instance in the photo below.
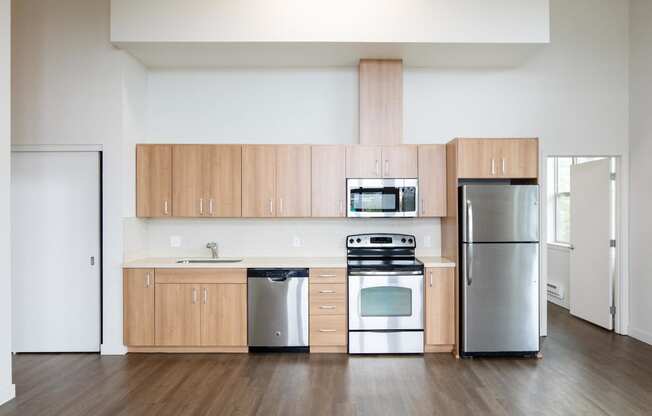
(500, 287)
(500, 213)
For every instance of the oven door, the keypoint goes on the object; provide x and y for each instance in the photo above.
(385, 302)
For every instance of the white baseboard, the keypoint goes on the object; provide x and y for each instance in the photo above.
(640, 335)
(113, 349)
(7, 393)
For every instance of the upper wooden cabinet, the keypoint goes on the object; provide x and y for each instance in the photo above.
(293, 180)
(381, 101)
(276, 181)
(432, 180)
(207, 180)
(381, 161)
(328, 181)
(153, 180)
(138, 307)
(497, 158)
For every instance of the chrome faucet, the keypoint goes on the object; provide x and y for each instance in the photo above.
(213, 246)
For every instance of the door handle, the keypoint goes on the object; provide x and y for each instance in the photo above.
(469, 221)
(430, 279)
(468, 261)
(92, 260)
(422, 210)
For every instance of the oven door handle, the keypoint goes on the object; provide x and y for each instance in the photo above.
(411, 273)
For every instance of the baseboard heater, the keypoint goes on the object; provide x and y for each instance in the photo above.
(556, 291)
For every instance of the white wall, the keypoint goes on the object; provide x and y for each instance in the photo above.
(7, 389)
(641, 174)
(446, 21)
(559, 273)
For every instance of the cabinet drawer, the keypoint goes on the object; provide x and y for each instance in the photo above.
(327, 307)
(328, 293)
(327, 275)
(328, 330)
(205, 276)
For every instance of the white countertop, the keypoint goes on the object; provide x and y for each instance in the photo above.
(251, 262)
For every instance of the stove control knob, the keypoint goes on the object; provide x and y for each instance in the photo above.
(358, 240)
(402, 240)
(410, 241)
(351, 241)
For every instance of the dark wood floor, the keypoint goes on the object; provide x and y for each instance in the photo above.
(585, 371)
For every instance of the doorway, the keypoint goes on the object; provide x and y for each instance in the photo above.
(583, 226)
(56, 251)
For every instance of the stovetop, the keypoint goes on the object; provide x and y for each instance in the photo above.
(385, 264)
(382, 253)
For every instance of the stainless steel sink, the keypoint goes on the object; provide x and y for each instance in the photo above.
(207, 261)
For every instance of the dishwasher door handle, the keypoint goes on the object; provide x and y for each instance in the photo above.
(277, 279)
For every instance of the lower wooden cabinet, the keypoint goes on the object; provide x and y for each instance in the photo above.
(440, 309)
(138, 307)
(328, 316)
(193, 308)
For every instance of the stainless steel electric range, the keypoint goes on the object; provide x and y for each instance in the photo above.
(385, 294)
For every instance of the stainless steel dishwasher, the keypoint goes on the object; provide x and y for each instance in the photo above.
(278, 309)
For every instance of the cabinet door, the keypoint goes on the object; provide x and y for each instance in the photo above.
(224, 315)
(188, 181)
(363, 162)
(178, 315)
(258, 181)
(518, 158)
(138, 303)
(432, 180)
(328, 181)
(293, 181)
(440, 306)
(476, 158)
(153, 180)
(399, 161)
(222, 180)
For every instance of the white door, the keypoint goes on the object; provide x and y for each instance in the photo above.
(592, 258)
(55, 231)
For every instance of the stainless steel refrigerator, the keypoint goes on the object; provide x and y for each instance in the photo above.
(499, 277)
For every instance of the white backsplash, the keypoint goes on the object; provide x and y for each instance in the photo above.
(266, 237)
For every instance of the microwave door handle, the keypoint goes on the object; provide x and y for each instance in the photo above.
(401, 201)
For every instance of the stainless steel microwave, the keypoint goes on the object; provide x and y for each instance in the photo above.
(382, 197)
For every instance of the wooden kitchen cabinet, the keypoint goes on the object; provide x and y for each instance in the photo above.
(207, 180)
(381, 161)
(400, 161)
(497, 158)
(224, 315)
(153, 180)
(328, 311)
(364, 161)
(440, 309)
(432, 180)
(258, 181)
(328, 181)
(276, 181)
(293, 180)
(178, 314)
(138, 307)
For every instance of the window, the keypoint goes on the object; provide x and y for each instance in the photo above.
(562, 196)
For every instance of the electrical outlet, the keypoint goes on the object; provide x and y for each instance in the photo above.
(427, 241)
(175, 241)
(296, 241)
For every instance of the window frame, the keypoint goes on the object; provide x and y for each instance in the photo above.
(556, 195)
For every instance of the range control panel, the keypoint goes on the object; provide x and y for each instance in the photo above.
(381, 240)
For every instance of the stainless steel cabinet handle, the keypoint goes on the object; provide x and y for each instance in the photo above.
(326, 291)
(147, 279)
(327, 275)
(377, 168)
(205, 296)
(503, 166)
(210, 206)
(328, 330)
(280, 205)
(201, 206)
(327, 307)
(422, 204)
(386, 167)
(341, 207)
(165, 207)
(430, 279)
(493, 166)
(271, 206)
(194, 295)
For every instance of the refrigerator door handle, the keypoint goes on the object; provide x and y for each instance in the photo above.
(469, 217)
(468, 262)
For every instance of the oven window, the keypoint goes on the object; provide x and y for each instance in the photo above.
(386, 301)
(374, 200)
